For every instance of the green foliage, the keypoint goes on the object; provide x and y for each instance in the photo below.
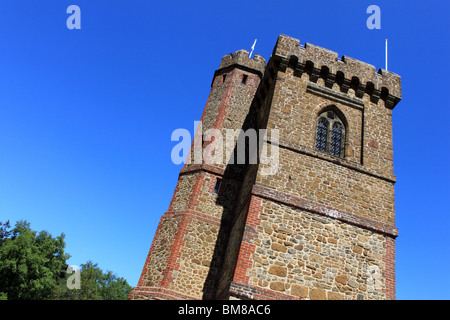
(33, 267)
(95, 285)
(4, 231)
(30, 262)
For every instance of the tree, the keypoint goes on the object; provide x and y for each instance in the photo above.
(30, 262)
(4, 231)
(33, 267)
(114, 288)
(95, 285)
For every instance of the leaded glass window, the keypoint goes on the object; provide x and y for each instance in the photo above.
(336, 138)
(330, 134)
(322, 133)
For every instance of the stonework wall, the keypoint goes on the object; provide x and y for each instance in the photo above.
(183, 192)
(195, 258)
(314, 257)
(160, 253)
(228, 104)
(295, 109)
(327, 183)
(378, 147)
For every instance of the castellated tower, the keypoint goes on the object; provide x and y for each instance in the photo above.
(319, 226)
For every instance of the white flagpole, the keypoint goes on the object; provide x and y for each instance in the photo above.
(386, 54)
(253, 48)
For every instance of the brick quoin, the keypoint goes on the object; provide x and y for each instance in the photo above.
(389, 272)
(245, 261)
(183, 227)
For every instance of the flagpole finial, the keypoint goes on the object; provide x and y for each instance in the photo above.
(253, 48)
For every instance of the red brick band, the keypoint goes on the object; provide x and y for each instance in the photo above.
(246, 291)
(190, 168)
(157, 293)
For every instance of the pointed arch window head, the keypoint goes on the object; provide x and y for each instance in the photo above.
(330, 134)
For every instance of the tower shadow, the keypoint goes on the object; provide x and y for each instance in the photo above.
(229, 196)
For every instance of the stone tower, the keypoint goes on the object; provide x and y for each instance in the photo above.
(320, 226)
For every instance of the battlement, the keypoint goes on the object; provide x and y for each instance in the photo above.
(346, 72)
(240, 58)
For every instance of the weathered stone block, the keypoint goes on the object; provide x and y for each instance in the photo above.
(278, 271)
(335, 296)
(277, 285)
(317, 294)
(342, 279)
(299, 291)
(278, 247)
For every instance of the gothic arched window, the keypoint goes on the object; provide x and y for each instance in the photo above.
(330, 134)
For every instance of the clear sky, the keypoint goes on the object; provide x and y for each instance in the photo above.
(86, 115)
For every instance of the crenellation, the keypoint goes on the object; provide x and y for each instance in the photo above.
(240, 58)
(314, 60)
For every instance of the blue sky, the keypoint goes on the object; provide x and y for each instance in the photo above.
(86, 115)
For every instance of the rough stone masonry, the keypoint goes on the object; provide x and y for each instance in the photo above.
(321, 227)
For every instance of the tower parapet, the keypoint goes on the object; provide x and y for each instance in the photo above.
(240, 59)
(346, 72)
